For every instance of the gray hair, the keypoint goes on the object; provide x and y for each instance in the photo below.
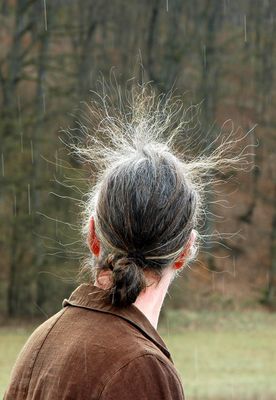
(147, 197)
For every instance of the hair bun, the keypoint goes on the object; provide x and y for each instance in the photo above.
(128, 280)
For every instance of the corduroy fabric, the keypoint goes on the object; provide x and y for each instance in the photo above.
(92, 350)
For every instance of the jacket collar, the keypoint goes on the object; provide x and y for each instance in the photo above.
(91, 297)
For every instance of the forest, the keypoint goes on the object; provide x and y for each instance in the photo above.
(218, 55)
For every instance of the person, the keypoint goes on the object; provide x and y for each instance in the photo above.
(139, 221)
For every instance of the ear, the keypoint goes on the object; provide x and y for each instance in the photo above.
(92, 240)
(182, 257)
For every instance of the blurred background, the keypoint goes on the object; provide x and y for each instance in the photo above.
(219, 319)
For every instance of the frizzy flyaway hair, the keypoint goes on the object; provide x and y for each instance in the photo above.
(148, 191)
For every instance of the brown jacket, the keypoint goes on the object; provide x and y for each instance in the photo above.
(91, 350)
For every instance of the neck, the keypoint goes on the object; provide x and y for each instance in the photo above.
(150, 300)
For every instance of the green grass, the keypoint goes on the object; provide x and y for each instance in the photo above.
(224, 356)
(219, 356)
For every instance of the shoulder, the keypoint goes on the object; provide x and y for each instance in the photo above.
(23, 368)
(146, 376)
(38, 336)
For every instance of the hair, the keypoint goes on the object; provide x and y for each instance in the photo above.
(147, 195)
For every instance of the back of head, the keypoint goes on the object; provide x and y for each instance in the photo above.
(146, 198)
(144, 215)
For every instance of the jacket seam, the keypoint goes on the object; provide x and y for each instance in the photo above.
(174, 371)
(38, 351)
(134, 359)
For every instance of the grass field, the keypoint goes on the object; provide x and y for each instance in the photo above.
(219, 356)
